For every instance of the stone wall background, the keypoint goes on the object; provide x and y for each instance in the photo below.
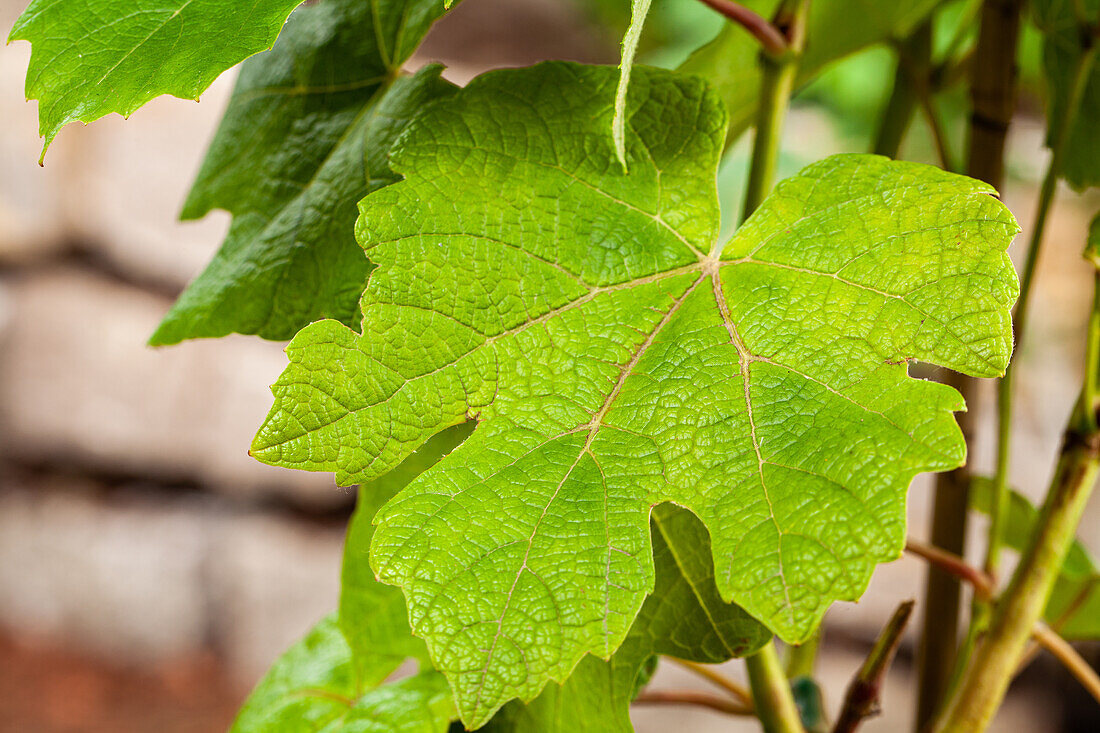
(149, 570)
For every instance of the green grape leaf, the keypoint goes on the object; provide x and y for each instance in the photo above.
(333, 679)
(835, 29)
(313, 686)
(1063, 47)
(372, 615)
(684, 617)
(617, 356)
(90, 58)
(1074, 605)
(304, 139)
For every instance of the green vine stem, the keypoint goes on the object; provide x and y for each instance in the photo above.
(743, 695)
(991, 670)
(993, 99)
(771, 692)
(769, 37)
(914, 58)
(1080, 78)
(692, 697)
(801, 658)
(776, 86)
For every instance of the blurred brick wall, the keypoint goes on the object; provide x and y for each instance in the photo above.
(134, 528)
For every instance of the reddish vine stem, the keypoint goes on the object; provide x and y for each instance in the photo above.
(954, 565)
(1043, 635)
(770, 37)
(692, 697)
(862, 699)
(741, 693)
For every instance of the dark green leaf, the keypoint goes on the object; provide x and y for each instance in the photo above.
(685, 617)
(313, 687)
(1063, 46)
(304, 139)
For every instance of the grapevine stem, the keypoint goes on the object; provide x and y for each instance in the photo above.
(914, 54)
(1068, 656)
(1044, 636)
(692, 697)
(993, 102)
(704, 671)
(986, 680)
(953, 564)
(862, 699)
(801, 658)
(1005, 387)
(1019, 610)
(766, 33)
(776, 85)
(771, 693)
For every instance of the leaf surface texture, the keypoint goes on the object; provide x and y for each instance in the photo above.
(616, 356)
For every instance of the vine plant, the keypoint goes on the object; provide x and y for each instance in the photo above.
(587, 432)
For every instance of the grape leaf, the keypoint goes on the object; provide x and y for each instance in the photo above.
(372, 614)
(1074, 605)
(836, 29)
(93, 57)
(616, 356)
(332, 680)
(1063, 45)
(304, 139)
(684, 617)
(313, 686)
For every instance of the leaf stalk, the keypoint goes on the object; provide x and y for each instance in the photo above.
(770, 37)
(693, 697)
(719, 680)
(776, 86)
(771, 693)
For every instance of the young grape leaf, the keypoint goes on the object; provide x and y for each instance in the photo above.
(639, 11)
(304, 139)
(616, 356)
(313, 686)
(684, 617)
(1063, 47)
(1074, 605)
(93, 57)
(730, 61)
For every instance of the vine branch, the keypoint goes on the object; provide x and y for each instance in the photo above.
(954, 565)
(693, 697)
(720, 680)
(1044, 636)
(862, 698)
(993, 99)
(769, 36)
